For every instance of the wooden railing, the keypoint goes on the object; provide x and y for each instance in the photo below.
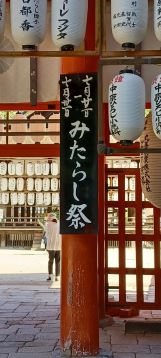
(22, 237)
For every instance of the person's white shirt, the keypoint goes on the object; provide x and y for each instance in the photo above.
(52, 235)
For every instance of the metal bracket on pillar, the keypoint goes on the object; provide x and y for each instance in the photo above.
(103, 149)
(33, 79)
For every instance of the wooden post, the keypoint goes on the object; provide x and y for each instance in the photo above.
(79, 297)
(101, 235)
(79, 294)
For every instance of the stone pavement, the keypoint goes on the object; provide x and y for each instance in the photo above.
(29, 315)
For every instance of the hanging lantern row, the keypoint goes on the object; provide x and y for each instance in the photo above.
(31, 184)
(29, 199)
(29, 21)
(129, 21)
(126, 100)
(32, 168)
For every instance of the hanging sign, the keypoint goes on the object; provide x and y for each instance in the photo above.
(78, 153)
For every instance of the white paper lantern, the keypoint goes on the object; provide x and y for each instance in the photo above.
(38, 184)
(5, 198)
(126, 106)
(30, 198)
(3, 168)
(129, 21)
(30, 168)
(45, 168)
(11, 168)
(46, 184)
(55, 198)
(38, 168)
(19, 168)
(39, 198)
(156, 105)
(47, 199)
(68, 23)
(14, 198)
(54, 184)
(2, 18)
(21, 198)
(54, 168)
(157, 19)
(4, 184)
(11, 184)
(150, 165)
(20, 184)
(28, 21)
(30, 184)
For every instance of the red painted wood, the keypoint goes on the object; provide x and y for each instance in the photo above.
(90, 30)
(29, 150)
(101, 235)
(42, 106)
(139, 238)
(79, 296)
(79, 306)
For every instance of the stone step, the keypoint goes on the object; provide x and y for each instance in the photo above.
(145, 326)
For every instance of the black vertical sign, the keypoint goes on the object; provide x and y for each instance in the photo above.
(78, 154)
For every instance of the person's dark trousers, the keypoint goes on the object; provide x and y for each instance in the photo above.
(54, 255)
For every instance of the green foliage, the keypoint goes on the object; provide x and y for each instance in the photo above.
(56, 212)
(147, 111)
(10, 114)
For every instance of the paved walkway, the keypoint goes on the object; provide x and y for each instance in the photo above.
(29, 315)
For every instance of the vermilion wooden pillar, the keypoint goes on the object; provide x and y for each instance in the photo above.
(79, 294)
(101, 235)
(79, 298)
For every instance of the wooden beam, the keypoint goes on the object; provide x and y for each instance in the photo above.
(48, 53)
(130, 61)
(29, 121)
(133, 53)
(25, 134)
(29, 150)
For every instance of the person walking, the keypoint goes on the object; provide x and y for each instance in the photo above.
(44, 238)
(53, 245)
